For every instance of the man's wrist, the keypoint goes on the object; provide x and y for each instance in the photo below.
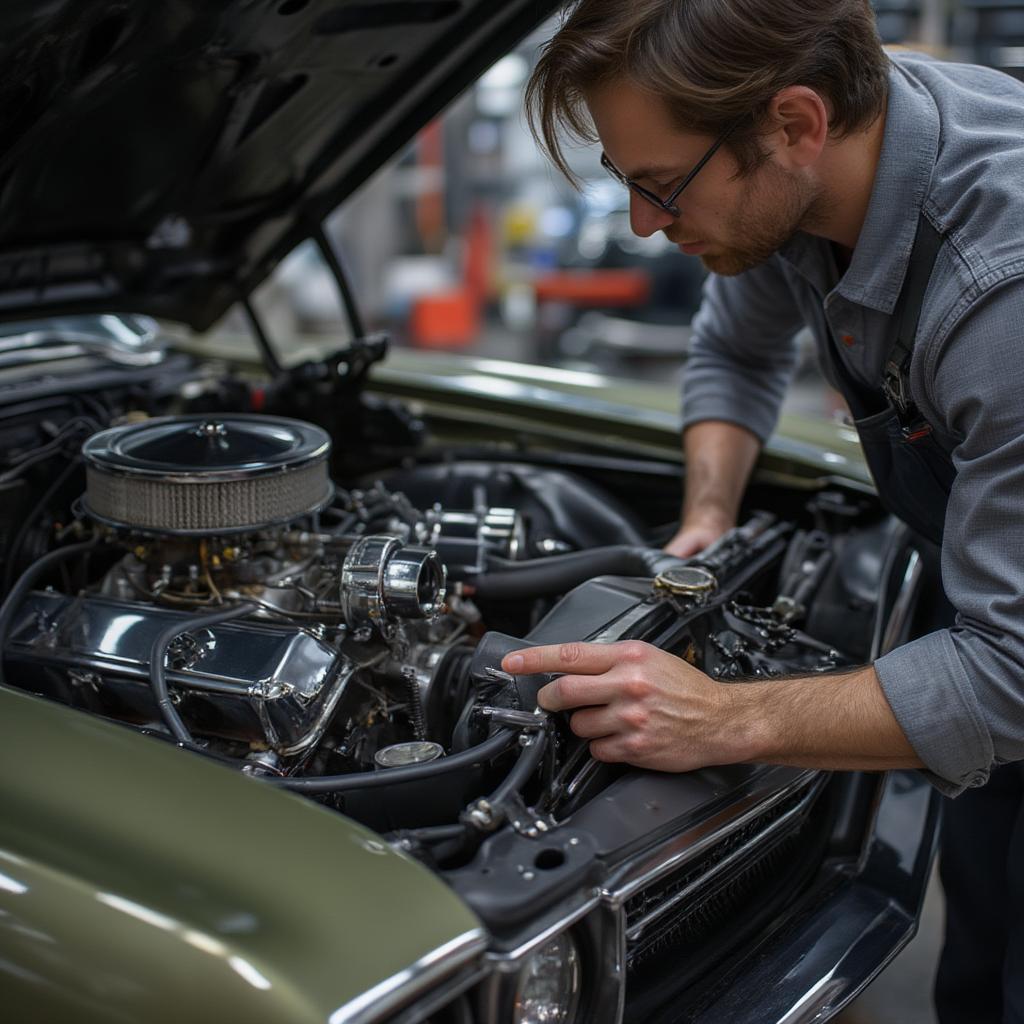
(708, 517)
(835, 722)
(748, 723)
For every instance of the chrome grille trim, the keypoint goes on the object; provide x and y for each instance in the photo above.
(381, 1001)
(703, 837)
(772, 829)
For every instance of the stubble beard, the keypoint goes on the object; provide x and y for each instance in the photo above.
(774, 206)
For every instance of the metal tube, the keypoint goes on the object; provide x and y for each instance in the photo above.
(28, 580)
(158, 671)
(338, 272)
(270, 360)
(485, 751)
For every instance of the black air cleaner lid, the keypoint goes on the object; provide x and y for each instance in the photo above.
(208, 446)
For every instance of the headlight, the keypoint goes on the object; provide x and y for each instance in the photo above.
(549, 984)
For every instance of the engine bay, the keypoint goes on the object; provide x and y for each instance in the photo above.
(213, 586)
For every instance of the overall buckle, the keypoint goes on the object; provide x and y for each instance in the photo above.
(894, 387)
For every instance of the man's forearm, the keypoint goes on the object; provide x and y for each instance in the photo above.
(639, 704)
(719, 458)
(841, 722)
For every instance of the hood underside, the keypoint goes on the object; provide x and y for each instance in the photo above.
(162, 158)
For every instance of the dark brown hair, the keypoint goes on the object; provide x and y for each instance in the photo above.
(714, 63)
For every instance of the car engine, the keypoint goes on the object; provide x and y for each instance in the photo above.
(216, 589)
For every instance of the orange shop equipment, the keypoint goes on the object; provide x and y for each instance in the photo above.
(451, 319)
(448, 319)
(594, 288)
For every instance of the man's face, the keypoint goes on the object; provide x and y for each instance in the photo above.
(733, 223)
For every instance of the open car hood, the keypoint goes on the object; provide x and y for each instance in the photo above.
(163, 158)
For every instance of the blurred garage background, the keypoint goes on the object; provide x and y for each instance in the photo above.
(469, 242)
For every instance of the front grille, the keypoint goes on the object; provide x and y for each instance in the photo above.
(695, 901)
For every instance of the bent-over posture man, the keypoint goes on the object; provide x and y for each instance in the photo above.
(880, 201)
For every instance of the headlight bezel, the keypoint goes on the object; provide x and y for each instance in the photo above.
(558, 962)
(599, 935)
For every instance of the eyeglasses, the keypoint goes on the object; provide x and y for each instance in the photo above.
(668, 204)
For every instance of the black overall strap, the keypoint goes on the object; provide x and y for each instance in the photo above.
(896, 374)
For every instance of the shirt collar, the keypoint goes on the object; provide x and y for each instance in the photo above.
(909, 148)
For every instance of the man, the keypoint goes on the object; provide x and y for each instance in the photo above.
(880, 201)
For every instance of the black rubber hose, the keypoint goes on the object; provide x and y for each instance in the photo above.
(158, 671)
(28, 580)
(456, 835)
(521, 771)
(37, 510)
(544, 576)
(490, 748)
(436, 833)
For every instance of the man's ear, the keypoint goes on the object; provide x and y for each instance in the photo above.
(800, 119)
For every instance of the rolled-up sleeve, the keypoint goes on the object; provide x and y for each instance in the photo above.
(742, 352)
(958, 694)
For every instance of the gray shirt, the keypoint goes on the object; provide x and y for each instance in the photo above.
(954, 149)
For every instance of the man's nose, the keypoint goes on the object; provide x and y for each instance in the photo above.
(645, 218)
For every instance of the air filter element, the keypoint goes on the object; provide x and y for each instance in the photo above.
(206, 474)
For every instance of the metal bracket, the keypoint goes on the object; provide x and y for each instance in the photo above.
(537, 719)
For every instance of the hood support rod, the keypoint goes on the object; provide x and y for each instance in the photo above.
(270, 360)
(338, 272)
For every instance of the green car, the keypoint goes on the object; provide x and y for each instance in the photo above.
(259, 759)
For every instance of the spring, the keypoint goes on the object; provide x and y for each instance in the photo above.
(416, 712)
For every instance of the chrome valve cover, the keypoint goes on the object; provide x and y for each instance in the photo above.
(240, 679)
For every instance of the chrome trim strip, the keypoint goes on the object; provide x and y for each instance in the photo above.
(443, 995)
(378, 1002)
(903, 606)
(680, 848)
(43, 345)
(510, 961)
(620, 962)
(636, 931)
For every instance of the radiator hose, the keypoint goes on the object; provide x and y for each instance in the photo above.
(541, 577)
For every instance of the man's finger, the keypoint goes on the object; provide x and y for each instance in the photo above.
(578, 658)
(608, 749)
(593, 723)
(569, 692)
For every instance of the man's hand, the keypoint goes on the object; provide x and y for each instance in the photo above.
(719, 457)
(695, 537)
(639, 705)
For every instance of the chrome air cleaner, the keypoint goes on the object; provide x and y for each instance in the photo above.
(196, 475)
